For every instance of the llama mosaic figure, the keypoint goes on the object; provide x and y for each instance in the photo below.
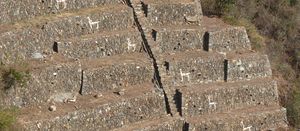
(245, 128)
(93, 23)
(130, 46)
(187, 75)
(212, 104)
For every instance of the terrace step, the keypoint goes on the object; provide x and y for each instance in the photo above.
(22, 40)
(167, 12)
(215, 37)
(58, 81)
(116, 72)
(221, 37)
(175, 39)
(13, 11)
(203, 99)
(102, 44)
(247, 66)
(89, 113)
(191, 67)
(156, 124)
(255, 118)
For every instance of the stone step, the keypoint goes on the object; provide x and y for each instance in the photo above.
(203, 99)
(117, 72)
(102, 44)
(221, 37)
(246, 66)
(58, 81)
(197, 67)
(106, 112)
(175, 39)
(167, 12)
(21, 40)
(157, 124)
(183, 38)
(13, 11)
(191, 67)
(258, 118)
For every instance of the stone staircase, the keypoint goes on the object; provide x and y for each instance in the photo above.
(134, 65)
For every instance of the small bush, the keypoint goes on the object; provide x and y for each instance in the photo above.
(7, 118)
(12, 77)
(293, 107)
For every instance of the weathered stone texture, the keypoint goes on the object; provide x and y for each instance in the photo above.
(21, 44)
(227, 96)
(116, 76)
(158, 124)
(175, 40)
(105, 116)
(101, 20)
(228, 39)
(101, 45)
(12, 11)
(248, 66)
(260, 119)
(191, 68)
(48, 83)
(173, 14)
(94, 72)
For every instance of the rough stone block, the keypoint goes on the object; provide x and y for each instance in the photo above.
(247, 66)
(89, 21)
(161, 13)
(191, 67)
(20, 44)
(227, 39)
(179, 39)
(46, 83)
(117, 72)
(64, 80)
(221, 97)
(258, 119)
(12, 11)
(111, 111)
(101, 45)
(157, 124)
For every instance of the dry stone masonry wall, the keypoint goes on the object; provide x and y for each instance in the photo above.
(134, 65)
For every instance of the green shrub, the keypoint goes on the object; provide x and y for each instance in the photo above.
(293, 108)
(7, 118)
(12, 77)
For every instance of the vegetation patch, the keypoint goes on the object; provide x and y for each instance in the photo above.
(12, 77)
(7, 118)
(273, 27)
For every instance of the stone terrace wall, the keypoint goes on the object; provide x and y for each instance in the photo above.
(12, 11)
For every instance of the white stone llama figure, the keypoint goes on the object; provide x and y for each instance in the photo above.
(130, 46)
(211, 103)
(93, 23)
(187, 75)
(64, 2)
(245, 128)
